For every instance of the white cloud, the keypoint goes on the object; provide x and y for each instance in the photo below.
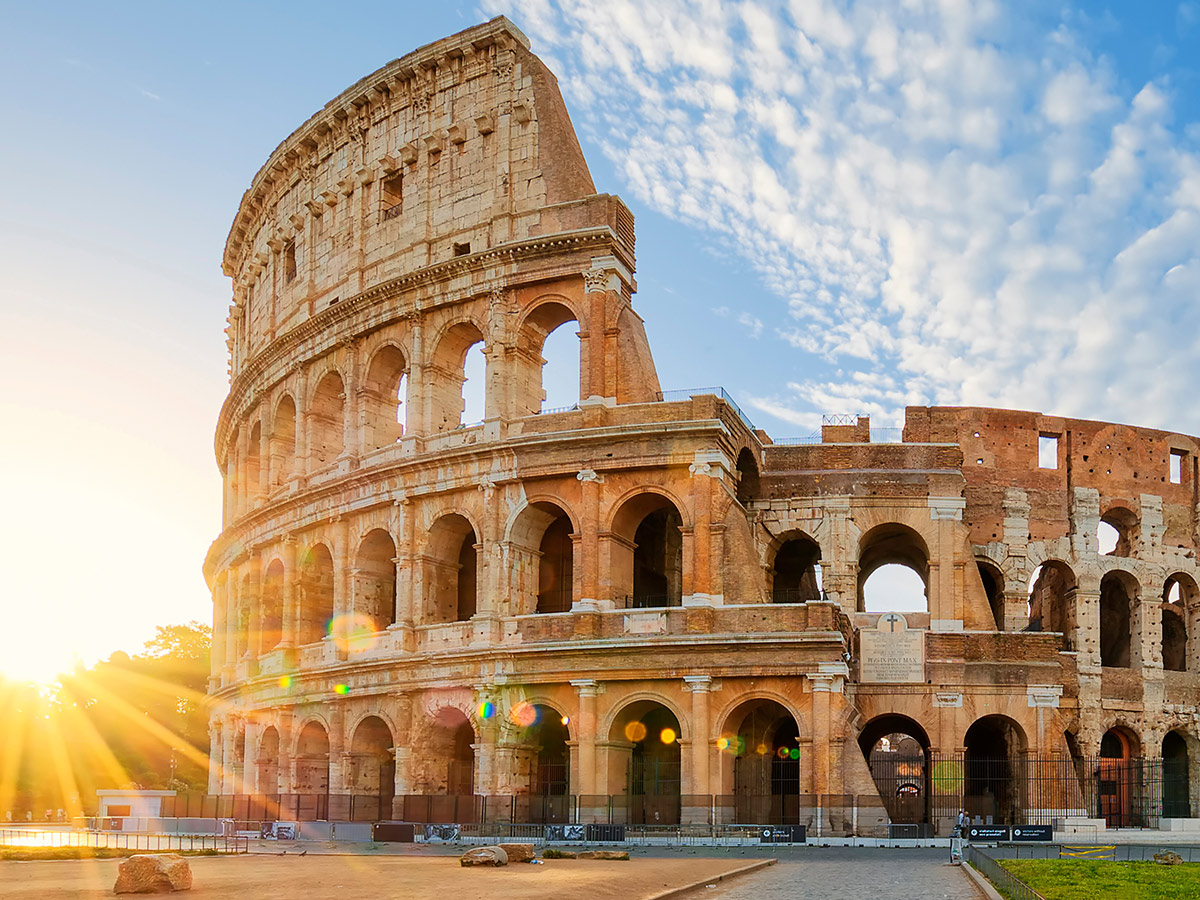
(955, 206)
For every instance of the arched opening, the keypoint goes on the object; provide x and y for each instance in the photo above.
(247, 619)
(254, 461)
(271, 612)
(763, 741)
(647, 553)
(893, 570)
(544, 734)
(542, 545)
(1117, 592)
(446, 765)
(372, 776)
(796, 573)
(649, 732)
(327, 420)
(1178, 607)
(312, 764)
(316, 594)
(267, 763)
(450, 375)
(748, 487)
(283, 441)
(1177, 790)
(547, 366)
(1119, 779)
(1052, 601)
(1117, 533)
(384, 398)
(375, 580)
(897, 752)
(451, 570)
(993, 588)
(993, 770)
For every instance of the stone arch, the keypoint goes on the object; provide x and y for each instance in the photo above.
(748, 481)
(1180, 619)
(447, 373)
(540, 538)
(450, 570)
(992, 579)
(1052, 588)
(384, 396)
(1119, 777)
(311, 758)
(646, 549)
(539, 323)
(645, 759)
(795, 568)
(316, 594)
(1119, 592)
(992, 769)
(374, 586)
(722, 721)
(266, 762)
(282, 442)
(1178, 752)
(896, 748)
(270, 617)
(760, 753)
(372, 768)
(327, 419)
(543, 735)
(446, 764)
(1124, 533)
(253, 463)
(893, 544)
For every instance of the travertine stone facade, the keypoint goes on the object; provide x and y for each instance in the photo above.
(577, 601)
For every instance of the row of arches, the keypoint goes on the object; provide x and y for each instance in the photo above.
(463, 380)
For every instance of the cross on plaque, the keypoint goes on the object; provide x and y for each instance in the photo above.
(891, 619)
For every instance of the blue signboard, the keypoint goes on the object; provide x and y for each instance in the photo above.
(782, 834)
(1033, 832)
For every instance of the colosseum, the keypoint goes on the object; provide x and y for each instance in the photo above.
(639, 609)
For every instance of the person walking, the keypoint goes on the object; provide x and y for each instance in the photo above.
(956, 839)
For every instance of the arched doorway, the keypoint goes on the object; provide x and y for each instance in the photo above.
(893, 570)
(993, 770)
(544, 732)
(270, 623)
(647, 558)
(748, 487)
(796, 573)
(1118, 593)
(649, 732)
(542, 543)
(372, 775)
(1052, 601)
(1177, 790)
(762, 740)
(375, 581)
(992, 580)
(267, 763)
(316, 594)
(1119, 779)
(312, 773)
(897, 752)
(450, 571)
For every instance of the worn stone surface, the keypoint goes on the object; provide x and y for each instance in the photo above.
(518, 853)
(604, 854)
(485, 856)
(1168, 858)
(158, 873)
(407, 604)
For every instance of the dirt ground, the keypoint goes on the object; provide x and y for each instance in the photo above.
(373, 878)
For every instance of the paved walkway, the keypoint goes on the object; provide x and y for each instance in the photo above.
(852, 874)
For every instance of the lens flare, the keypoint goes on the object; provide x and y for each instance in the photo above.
(524, 714)
(487, 709)
(762, 749)
(285, 681)
(342, 689)
(722, 743)
(635, 731)
(349, 631)
(794, 753)
(667, 735)
(782, 752)
(566, 720)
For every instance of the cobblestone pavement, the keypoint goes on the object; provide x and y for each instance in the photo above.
(851, 874)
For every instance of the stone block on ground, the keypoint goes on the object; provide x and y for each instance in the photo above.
(1168, 858)
(604, 854)
(484, 856)
(153, 873)
(518, 853)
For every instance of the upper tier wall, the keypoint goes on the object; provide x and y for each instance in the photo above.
(458, 147)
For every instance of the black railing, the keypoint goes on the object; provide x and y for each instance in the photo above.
(94, 836)
(1009, 884)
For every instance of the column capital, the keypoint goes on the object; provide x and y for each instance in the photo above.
(587, 687)
(698, 683)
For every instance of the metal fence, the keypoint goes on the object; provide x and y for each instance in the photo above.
(1008, 883)
(719, 392)
(31, 838)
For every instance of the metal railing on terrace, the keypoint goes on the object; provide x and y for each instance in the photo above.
(718, 392)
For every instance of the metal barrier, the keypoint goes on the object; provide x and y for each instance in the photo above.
(34, 838)
(1007, 883)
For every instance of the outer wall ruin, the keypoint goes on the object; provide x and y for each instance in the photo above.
(638, 608)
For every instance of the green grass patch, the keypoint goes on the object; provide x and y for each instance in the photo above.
(34, 854)
(1092, 879)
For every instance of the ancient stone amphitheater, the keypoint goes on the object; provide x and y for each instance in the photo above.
(639, 609)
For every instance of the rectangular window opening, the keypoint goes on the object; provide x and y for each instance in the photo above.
(391, 196)
(289, 262)
(1177, 466)
(1047, 451)
(462, 249)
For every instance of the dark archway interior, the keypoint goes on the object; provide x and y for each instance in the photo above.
(658, 559)
(1118, 780)
(766, 765)
(373, 768)
(1114, 622)
(897, 752)
(1177, 794)
(1051, 599)
(748, 487)
(654, 774)
(993, 587)
(467, 577)
(556, 567)
(795, 572)
(993, 747)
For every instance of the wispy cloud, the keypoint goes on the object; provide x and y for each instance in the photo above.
(150, 95)
(954, 205)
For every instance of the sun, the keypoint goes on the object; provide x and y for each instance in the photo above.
(32, 661)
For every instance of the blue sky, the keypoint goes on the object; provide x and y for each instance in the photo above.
(842, 207)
